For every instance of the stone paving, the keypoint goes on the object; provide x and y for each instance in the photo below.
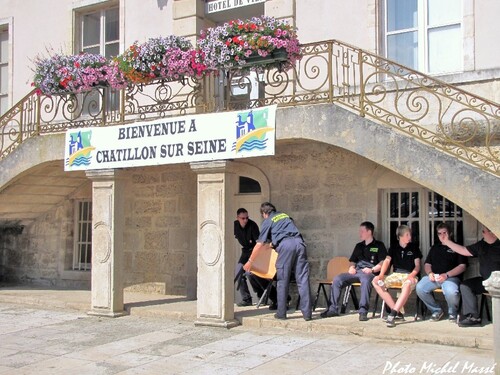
(35, 340)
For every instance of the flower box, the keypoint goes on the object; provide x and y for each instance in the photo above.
(257, 43)
(170, 57)
(72, 74)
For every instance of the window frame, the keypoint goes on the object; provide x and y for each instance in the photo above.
(80, 243)
(426, 220)
(422, 29)
(6, 26)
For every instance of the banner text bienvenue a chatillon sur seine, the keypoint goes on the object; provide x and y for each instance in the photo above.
(190, 138)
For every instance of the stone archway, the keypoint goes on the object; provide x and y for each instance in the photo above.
(473, 189)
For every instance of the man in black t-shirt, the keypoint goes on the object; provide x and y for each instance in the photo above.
(488, 252)
(444, 269)
(404, 256)
(366, 260)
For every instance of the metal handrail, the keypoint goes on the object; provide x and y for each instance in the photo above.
(439, 114)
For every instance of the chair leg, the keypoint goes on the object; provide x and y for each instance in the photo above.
(320, 287)
(345, 299)
(265, 295)
(354, 298)
(484, 305)
(375, 307)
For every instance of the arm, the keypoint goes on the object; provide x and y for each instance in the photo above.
(451, 273)
(428, 271)
(352, 268)
(416, 270)
(255, 253)
(385, 267)
(456, 247)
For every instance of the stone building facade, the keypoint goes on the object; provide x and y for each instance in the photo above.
(332, 169)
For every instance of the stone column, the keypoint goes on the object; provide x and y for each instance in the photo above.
(492, 285)
(215, 291)
(107, 242)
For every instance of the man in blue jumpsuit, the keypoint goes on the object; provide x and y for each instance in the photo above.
(279, 230)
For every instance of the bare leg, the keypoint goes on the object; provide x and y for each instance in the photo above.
(403, 298)
(384, 294)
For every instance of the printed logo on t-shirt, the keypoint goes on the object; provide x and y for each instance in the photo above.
(374, 249)
(409, 253)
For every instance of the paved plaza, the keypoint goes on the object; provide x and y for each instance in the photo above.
(37, 340)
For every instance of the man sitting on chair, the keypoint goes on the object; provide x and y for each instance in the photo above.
(404, 256)
(488, 252)
(366, 260)
(444, 269)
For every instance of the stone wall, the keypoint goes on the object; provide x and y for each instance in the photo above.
(160, 238)
(159, 242)
(327, 192)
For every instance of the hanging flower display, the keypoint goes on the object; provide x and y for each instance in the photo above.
(261, 40)
(169, 57)
(63, 74)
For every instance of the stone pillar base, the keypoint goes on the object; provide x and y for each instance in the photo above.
(214, 323)
(107, 313)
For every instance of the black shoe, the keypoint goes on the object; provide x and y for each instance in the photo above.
(276, 316)
(391, 321)
(244, 303)
(436, 316)
(273, 306)
(363, 317)
(308, 318)
(328, 314)
(469, 321)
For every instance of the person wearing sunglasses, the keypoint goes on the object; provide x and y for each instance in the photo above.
(246, 231)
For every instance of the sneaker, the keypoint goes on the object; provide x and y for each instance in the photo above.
(273, 306)
(244, 303)
(452, 318)
(400, 316)
(328, 314)
(391, 321)
(436, 316)
(276, 316)
(363, 317)
(469, 321)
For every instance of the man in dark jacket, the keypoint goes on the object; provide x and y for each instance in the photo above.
(488, 252)
(246, 231)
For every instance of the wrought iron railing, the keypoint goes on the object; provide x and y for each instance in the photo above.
(438, 114)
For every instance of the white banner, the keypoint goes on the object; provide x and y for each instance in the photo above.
(217, 136)
(221, 5)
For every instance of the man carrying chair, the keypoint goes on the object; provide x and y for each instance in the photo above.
(246, 231)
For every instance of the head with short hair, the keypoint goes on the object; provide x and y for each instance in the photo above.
(366, 229)
(267, 208)
(444, 228)
(241, 211)
(242, 217)
(368, 226)
(402, 230)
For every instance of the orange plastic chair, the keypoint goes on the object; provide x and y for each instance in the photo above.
(264, 266)
(336, 266)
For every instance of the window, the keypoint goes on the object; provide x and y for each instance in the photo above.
(99, 33)
(4, 71)
(416, 32)
(82, 254)
(248, 186)
(422, 210)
